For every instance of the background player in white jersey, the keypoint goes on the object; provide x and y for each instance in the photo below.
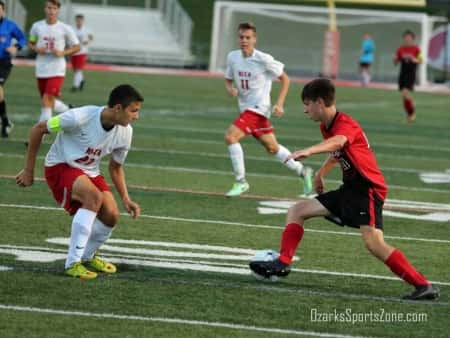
(51, 40)
(249, 77)
(79, 59)
(85, 135)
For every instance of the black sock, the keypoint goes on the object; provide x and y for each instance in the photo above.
(3, 113)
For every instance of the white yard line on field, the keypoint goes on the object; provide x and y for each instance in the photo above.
(222, 222)
(164, 320)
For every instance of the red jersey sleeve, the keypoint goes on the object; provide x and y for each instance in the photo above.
(349, 130)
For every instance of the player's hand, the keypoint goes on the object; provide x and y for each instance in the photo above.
(233, 92)
(12, 50)
(298, 155)
(132, 208)
(278, 110)
(319, 184)
(41, 51)
(25, 178)
(57, 52)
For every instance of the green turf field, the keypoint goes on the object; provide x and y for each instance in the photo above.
(183, 264)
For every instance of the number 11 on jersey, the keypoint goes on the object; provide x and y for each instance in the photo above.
(244, 84)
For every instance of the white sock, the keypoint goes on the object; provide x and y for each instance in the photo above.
(365, 78)
(46, 114)
(237, 161)
(282, 155)
(77, 78)
(81, 229)
(60, 107)
(99, 235)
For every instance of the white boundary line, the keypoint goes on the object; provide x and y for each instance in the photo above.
(229, 173)
(261, 226)
(164, 320)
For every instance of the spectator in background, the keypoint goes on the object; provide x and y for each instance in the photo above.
(366, 58)
(52, 40)
(79, 59)
(409, 56)
(8, 31)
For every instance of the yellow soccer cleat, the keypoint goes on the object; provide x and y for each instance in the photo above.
(78, 270)
(100, 265)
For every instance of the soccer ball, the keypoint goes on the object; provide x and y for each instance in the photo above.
(266, 255)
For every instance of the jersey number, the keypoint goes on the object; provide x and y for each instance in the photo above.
(244, 85)
(85, 160)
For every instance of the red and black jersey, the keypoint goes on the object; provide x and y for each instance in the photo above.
(404, 55)
(358, 162)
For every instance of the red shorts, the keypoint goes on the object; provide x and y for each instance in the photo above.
(252, 123)
(60, 178)
(78, 61)
(50, 86)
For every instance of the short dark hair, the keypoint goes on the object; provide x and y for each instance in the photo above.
(409, 32)
(79, 16)
(319, 88)
(2, 3)
(247, 25)
(124, 95)
(57, 3)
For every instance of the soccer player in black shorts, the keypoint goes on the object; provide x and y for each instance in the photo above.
(357, 203)
(8, 31)
(409, 56)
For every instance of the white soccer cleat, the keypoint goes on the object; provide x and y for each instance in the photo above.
(238, 189)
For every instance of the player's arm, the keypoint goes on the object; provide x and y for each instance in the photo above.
(118, 177)
(21, 41)
(32, 44)
(327, 166)
(327, 146)
(68, 51)
(25, 177)
(231, 89)
(278, 108)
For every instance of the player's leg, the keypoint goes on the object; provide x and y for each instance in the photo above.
(5, 70)
(291, 237)
(408, 104)
(396, 261)
(269, 141)
(103, 226)
(90, 199)
(232, 137)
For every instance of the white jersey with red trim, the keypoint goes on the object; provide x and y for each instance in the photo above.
(83, 36)
(57, 36)
(253, 77)
(82, 141)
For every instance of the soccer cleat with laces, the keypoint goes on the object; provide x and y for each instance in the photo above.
(424, 292)
(78, 270)
(307, 176)
(267, 269)
(100, 265)
(238, 189)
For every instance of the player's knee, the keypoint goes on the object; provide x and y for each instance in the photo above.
(230, 138)
(272, 149)
(94, 200)
(297, 211)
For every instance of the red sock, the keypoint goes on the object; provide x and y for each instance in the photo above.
(399, 265)
(292, 235)
(408, 104)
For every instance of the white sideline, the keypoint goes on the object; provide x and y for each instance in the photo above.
(174, 321)
(262, 226)
(229, 173)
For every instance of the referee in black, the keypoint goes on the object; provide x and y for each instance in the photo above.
(12, 39)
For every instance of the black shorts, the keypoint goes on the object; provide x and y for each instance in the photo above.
(406, 81)
(364, 64)
(5, 70)
(353, 206)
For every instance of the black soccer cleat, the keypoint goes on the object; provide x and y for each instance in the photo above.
(7, 127)
(424, 292)
(270, 268)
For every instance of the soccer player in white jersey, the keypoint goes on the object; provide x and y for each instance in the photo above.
(85, 135)
(51, 39)
(249, 77)
(79, 59)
